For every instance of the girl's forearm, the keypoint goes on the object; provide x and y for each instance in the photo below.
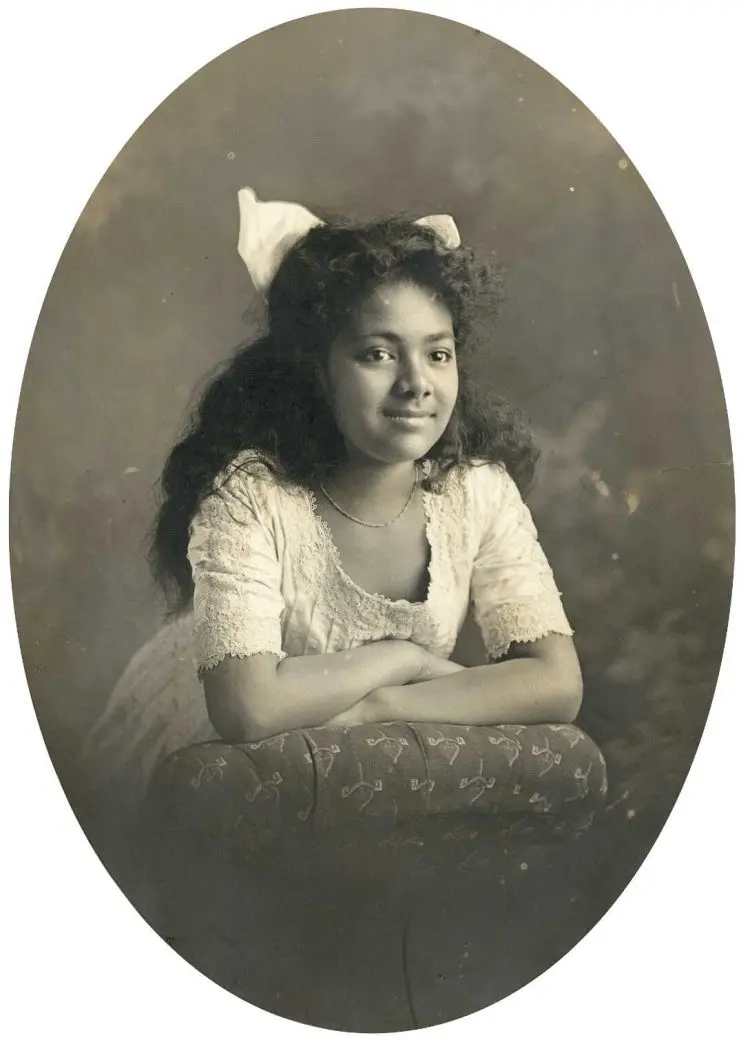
(255, 698)
(312, 686)
(527, 691)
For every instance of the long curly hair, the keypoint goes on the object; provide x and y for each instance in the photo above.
(267, 397)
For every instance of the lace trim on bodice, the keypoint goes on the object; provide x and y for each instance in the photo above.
(370, 613)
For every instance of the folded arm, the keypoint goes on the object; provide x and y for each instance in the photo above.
(255, 697)
(541, 684)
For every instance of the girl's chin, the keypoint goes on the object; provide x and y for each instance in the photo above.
(396, 454)
(408, 446)
(387, 458)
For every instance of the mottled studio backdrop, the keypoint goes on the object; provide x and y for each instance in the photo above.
(602, 339)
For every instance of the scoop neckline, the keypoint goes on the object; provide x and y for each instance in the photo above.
(419, 606)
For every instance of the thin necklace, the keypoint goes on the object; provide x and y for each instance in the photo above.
(367, 523)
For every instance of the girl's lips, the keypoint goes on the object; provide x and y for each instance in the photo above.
(409, 422)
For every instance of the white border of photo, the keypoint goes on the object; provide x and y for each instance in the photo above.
(665, 79)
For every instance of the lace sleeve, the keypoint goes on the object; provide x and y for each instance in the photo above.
(238, 603)
(515, 598)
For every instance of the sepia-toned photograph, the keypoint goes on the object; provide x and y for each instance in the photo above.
(372, 520)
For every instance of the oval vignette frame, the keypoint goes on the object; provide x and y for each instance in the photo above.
(662, 659)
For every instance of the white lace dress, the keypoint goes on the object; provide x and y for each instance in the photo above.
(268, 579)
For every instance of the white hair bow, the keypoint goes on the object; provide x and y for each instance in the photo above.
(268, 230)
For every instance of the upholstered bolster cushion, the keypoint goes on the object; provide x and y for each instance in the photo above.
(385, 780)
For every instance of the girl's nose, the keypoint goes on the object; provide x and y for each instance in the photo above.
(413, 380)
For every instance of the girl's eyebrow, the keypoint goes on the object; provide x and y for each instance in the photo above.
(393, 337)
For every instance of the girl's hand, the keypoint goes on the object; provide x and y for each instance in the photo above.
(372, 708)
(353, 716)
(433, 667)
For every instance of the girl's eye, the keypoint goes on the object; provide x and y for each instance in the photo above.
(376, 354)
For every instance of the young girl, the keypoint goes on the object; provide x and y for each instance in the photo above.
(347, 494)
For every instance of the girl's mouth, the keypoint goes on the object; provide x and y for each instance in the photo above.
(409, 420)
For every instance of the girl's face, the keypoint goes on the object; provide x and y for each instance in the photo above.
(391, 376)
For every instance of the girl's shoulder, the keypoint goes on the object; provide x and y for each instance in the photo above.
(479, 494)
(479, 482)
(250, 479)
(247, 467)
